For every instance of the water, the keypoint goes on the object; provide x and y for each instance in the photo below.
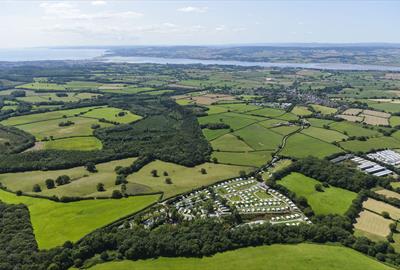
(38, 54)
(184, 61)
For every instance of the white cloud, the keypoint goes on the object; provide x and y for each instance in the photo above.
(66, 10)
(193, 9)
(220, 28)
(98, 3)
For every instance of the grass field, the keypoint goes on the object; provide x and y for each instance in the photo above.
(332, 201)
(111, 114)
(54, 223)
(394, 121)
(315, 122)
(183, 178)
(370, 224)
(260, 138)
(323, 109)
(20, 120)
(76, 143)
(230, 142)
(370, 144)
(255, 159)
(83, 182)
(235, 122)
(282, 257)
(324, 134)
(269, 112)
(301, 111)
(353, 129)
(300, 145)
(82, 127)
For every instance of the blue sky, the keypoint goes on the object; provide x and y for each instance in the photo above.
(76, 23)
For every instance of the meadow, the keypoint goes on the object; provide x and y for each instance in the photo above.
(112, 114)
(75, 143)
(352, 129)
(323, 109)
(370, 144)
(254, 158)
(259, 138)
(54, 223)
(324, 134)
(300, 145)
(331, 201)
(283, 257)
(301, 111)
(83, 183)
(183, 178)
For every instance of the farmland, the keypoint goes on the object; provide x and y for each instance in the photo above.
(331, 200)
(369, 223)
(285, 257)
(54, 223)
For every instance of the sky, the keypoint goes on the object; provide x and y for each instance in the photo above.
(105, 23)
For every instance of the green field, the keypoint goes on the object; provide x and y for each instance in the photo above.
(111, 114)
(323, 109)
(183, 178)
(332, 201)
(301, 111)
(213, 109)
(394, 121)
(83, 182)
(269, 112)
(353, 129)
(25, 119)
(230, 142)
(235, 122)
(274, 257)
(259, 138)
(324, 134)
(72, 85)
(75, 143)
(255, 159)
(82, 127)
(54, 223)
(315, 122)
(300, 145)
(371, 144)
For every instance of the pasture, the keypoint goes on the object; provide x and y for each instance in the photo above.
(38, 117)
(75, 143)
(259, 138)
(183, 178)
(230, 142)
(254, 159)
(83, 183)
(301, 111)
(324, 134)
(370, 144)
(353, 129)
(323, 109)
(113, 115)
(331, 201)
(277, 256)
(269, 112)
(300, 145)
(54, 223)
(315, 122)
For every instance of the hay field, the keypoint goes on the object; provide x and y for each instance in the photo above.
(379, 207)
(372, 223)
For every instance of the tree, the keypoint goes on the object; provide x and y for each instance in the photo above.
(116, 194)
(91, 167)
(393, 227)
(215, 160)
(154, 173)
(100, 187)
(318, 187)
(121, 179)
(242, 174)
(203, 171)
(165, 173)
(385, 215)
(36, 188)
(104, 256)
(50, 183)
(168, 181)
(63, 180)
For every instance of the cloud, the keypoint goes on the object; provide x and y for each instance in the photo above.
(98, 3)
(66, 10)
(220, 28)
(193, 9)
